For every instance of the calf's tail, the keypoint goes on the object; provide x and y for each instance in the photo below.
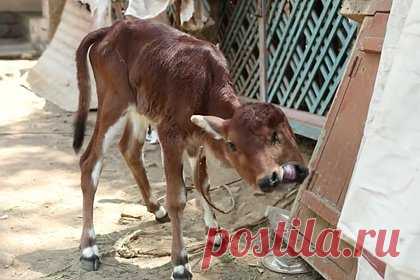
(83, 82)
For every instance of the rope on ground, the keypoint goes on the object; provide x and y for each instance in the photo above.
(232, 199)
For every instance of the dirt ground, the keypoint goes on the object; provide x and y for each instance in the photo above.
(40, 201)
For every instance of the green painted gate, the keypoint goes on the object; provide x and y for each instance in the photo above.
(307, 43)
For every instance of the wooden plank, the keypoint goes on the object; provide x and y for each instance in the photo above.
(263, 56)
(320, 206)
(328, 267)
(358, 9)
(333, 161)
(52, 10)
(304, 129)
(304, 117)
(371, 44)
(340, 151)
(378, 264)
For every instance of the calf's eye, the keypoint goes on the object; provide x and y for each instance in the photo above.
(275, 139)
(231, 146)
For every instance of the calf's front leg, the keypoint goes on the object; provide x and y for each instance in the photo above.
(175, 202)
(198, 165)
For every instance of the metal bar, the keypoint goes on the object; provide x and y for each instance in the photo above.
(263, 55)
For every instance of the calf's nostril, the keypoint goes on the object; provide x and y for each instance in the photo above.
(267, 183)
(302, 172)
(274, 177)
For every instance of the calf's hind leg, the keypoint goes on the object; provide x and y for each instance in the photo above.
(91, 167)
(131, 146)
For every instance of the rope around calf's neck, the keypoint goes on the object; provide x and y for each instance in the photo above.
(199, 181)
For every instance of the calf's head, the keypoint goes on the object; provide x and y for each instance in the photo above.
(259, 143)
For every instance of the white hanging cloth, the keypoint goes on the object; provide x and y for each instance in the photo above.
(384, 190)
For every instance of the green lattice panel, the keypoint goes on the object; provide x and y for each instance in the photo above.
(238, 34)
(308, 44)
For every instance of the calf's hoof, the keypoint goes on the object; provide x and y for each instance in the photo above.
(161, 216)
(164, 219)
(217, 241)
(181, 273)
(91, 263)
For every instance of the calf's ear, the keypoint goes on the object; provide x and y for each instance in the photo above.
(214, 126)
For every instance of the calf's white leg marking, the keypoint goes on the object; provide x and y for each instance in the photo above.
(139, 125)
(209, 219)
(96, 173)
(208, 212)
(113, 131)
(180, 269)
(110, 135)
(138, 122)
(91, 233)
(160, 213)
(89, 252)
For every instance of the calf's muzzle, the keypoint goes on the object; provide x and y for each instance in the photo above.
(288, 173)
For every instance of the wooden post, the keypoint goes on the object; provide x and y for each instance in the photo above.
(263, 57)
(358, 9)
(52, 10)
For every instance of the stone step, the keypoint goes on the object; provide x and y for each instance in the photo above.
(12, 30)
(9, 18)
(17, 48)
(12, 25)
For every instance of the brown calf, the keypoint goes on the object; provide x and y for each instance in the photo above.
(151, 73)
